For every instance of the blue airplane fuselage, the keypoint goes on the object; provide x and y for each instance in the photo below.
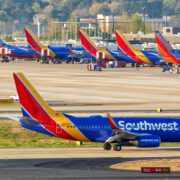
(97, 128)
(20, 51)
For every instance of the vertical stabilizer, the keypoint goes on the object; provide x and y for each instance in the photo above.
(129, 50)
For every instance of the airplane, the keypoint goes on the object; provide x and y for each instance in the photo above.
(142, 57)
(165, 50)
(144, 132)
(102, 52)
(18, 51)
(54, 53)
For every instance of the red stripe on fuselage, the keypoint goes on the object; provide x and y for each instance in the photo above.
(36, 111)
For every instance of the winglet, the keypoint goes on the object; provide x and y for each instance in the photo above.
(112, 122)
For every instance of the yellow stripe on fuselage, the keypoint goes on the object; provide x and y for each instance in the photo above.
(58, 117)
(107, 54)
(142, 56)
(69, 127)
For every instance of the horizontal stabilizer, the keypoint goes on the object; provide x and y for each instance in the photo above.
(12, 117)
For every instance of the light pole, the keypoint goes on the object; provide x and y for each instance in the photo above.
(39, 31)
(113, 25)
(76, 28)
(144, 15)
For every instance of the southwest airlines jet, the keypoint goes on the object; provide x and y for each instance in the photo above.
(141, 131)
(164, 49)
(91, 47)
(53, 52)
(143, 57)
(18, 51)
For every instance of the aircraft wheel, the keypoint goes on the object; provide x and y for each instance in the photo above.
(107, 146)
(117, 147)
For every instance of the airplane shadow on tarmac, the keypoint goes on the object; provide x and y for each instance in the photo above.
(90, 163)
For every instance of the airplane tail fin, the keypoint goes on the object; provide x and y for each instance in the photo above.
(87, 43)
(36, 44)
(122, 42)
(35, 107)
(160, 39)
(32, 104)
(164, 48)
(128, 49)
(90, 46)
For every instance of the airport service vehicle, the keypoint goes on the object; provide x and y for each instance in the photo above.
(165, 50)
(144, 132)
(102, 53)
(53, 53)
(142, 57)
(18, 51)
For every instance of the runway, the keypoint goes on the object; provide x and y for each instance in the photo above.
(77, 163)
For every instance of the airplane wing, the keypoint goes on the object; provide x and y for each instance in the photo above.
(118, 133)
(73, 53)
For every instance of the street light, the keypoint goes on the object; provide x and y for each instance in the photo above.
(144, 14)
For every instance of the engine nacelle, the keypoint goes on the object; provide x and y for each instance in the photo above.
(148, 141)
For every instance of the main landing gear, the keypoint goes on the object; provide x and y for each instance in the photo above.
(117, 147)
(107, 146)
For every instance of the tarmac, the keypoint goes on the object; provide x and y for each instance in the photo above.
(78, 163)
(121, 89)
